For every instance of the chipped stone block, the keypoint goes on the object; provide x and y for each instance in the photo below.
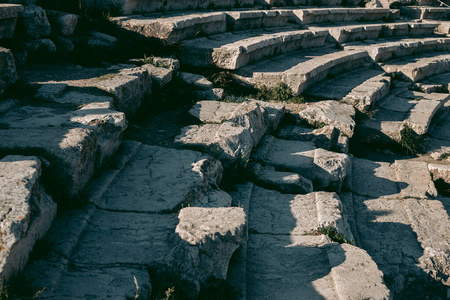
(198, 81)
(71, 153)
(213, 111)
(153, 169)
(50, 91)
(330, 112)
(208, 238)
(27, 211)
(284, 182)
(126, 90)
(34, 21)
(212, 94)
(62, 23)
(8, 16)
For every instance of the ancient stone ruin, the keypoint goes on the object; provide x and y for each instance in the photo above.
(228, 149)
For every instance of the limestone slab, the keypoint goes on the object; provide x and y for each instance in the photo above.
(330, 112)
(213, 111)
(9, 14)
(299, 70)
(8, 72)
(173, 28)
(420, 67)
(27, 211)
(208, 239)
(148, 181)
(71, 153)
(234, 50)
(284, 182)
(324, 168)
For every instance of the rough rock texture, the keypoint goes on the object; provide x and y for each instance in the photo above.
(34, 22)
(233, 140)
(27, 211)
(198, 81)
(175, 28)
(324, 168)
(234, 50)
(300, 69)
(208, 239)
(62, 23)
(151, 172)
(361, 88)
(8, 73)
(282, 261)
(284, 182)
(71, 153)
(330, 112)
(107, 124)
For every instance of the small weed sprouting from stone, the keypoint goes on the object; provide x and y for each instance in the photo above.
(333, 234)
(281, 93)
(411, 142)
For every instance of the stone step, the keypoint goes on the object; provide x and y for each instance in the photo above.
(248, 19)
(8, 16)
(385, 49)
(437, 83)
(327, 170)
(349, 32)
(413, 109)
(417, 68)
(395, 217)
(106, 123)
(234, 50)
(27, 212)
(300, 69)
(91, 246)
(342, 14)
(425, 12)
(361, 88)
(173, 28)
(240, 129)
(70, 153)
(128, 7)
(283, 260)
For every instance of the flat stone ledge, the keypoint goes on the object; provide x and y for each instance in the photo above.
(27, 211)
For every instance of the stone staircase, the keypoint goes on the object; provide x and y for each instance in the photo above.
(296, 215)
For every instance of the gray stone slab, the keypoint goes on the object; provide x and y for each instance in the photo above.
(286, 214)
(299, 70)
(339, 115)
(384, 49)
(361, 88)
(208, 239)
(198, 81)
(173, 28)
(107, 124)
(325, 137)
(338, 14)
(324, 168)
(107, 238)
(280, 267)
(418, 67)
(71, 153)
(148, 181)
(234, 50)
(118, 283)
(27, 211)
(213, 111)
(233, 140)
(284, 182)
(425, 12)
